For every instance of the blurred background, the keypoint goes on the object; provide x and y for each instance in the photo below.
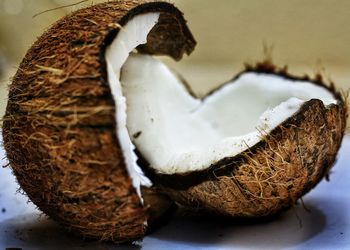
(307, 35)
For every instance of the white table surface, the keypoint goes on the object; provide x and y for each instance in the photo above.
(325, 226)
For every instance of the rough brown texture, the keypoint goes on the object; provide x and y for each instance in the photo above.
(273, 174)
(59, 128)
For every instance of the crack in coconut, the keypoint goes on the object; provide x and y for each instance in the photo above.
(177, 133)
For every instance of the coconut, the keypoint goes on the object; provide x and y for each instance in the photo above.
(264, 140)
(99, 132)
(60, 132)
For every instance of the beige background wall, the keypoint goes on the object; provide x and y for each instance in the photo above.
(308, 35)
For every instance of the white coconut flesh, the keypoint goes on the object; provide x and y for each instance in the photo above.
(178, 133)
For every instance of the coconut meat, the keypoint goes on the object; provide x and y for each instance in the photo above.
(178, 133)
(129, 37)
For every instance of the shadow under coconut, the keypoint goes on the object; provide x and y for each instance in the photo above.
(35, 232)
(335, 234)
(289, 229)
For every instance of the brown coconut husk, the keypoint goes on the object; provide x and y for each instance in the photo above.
(59, 128)
(272, 175)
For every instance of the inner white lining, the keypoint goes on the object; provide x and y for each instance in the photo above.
(177, 133)
(129, 37)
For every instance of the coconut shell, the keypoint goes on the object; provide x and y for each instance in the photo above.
(272, 175)
(59, 129)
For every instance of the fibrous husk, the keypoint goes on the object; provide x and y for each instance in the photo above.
(272, 175)
(59, 130)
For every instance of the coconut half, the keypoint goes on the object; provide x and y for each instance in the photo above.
(60, 129)
(96, 128)
(250, 149)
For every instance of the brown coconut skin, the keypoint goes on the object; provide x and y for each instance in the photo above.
(59, 127)
(272, 175)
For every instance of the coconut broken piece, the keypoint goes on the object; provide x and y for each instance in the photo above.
(60, 132)
(250, 149)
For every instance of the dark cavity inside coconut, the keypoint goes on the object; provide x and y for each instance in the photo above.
(95, 127)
